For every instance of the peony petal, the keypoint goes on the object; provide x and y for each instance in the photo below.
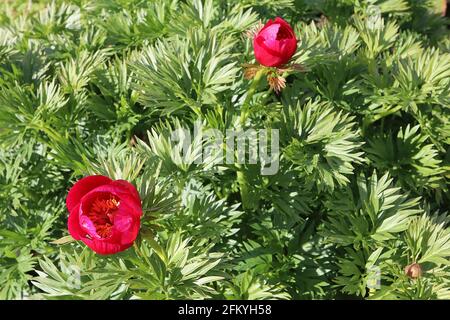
(268, 24)
(290, 47)
(130, 235)
(271, 32)
(123, 222)
(73, 223)
(282, 22)
(88, 227)
(105, 247)
(265, 55)
(126, 226)
(82, 187)
(131, 190)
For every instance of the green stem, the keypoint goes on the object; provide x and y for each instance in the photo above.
(243, 187)
(251, 91)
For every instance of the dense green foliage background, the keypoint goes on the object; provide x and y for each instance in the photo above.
(95, 86)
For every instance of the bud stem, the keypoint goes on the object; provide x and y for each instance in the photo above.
(241, 178)
(248, 98)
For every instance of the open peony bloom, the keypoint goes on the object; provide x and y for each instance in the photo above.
(105, 214)
(275, 43)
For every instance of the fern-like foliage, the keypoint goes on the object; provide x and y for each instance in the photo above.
(324, 146)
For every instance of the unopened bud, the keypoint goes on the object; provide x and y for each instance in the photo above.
(413, 270)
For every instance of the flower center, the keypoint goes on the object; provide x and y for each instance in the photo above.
(102, 212)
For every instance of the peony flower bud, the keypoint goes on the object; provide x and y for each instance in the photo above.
(413, 270)
(275, 43)
(104, 214)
